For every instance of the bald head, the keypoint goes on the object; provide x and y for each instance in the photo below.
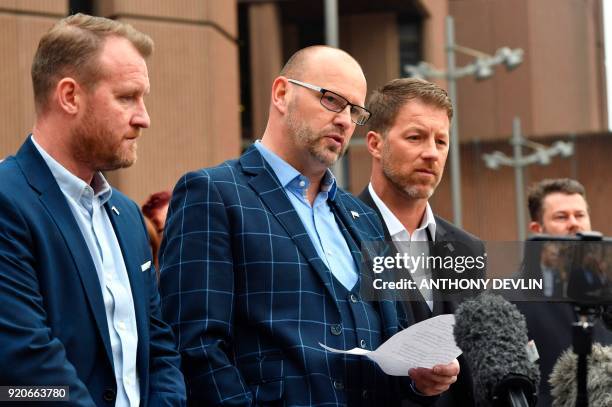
(304, 130)
(311, 58)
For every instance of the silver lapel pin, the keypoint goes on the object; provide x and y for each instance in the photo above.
(115, 210)
(354, 214)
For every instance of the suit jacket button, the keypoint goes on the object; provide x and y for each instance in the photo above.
(109, 395)
(353, 298)
(338, 385)
(336, 329)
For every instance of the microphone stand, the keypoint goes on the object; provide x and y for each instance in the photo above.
(582, 330)
(582, 343)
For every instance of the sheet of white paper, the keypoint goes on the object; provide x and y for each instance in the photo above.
(426, 344)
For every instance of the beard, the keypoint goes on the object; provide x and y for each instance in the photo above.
(314, 142)
(411, 184)
(94, 144)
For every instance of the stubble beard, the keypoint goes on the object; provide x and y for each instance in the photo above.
(96, 146)
(403, 183)
(314, 143)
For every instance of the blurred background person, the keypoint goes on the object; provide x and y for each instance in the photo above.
(155, 210)
(557, 207)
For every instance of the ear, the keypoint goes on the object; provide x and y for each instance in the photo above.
(280, 94)
(535, 227)
(374, 142)
(69, 95)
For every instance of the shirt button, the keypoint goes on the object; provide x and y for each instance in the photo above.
(336, 329)
(353, 298)
(362, 343)
(121, 325)
(109, 395)
(338, 385)
(127, 381)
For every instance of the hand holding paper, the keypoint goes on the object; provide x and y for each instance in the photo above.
(426, 344)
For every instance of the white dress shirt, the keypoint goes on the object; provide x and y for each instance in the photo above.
(402, 239)
(87, 206)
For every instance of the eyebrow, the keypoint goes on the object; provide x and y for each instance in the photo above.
(420, 128)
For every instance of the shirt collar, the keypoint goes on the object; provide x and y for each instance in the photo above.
(72, 185)
(393, 223)
(289, 177)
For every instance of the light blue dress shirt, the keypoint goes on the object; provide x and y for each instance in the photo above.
(318, 219)
(87, 206)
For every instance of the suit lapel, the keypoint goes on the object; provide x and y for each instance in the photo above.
(443, 247)
(418, 305)
(124, 224)
(347, 227)
(40, 178)
(273, 195)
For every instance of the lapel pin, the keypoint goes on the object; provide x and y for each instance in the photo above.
(115, 210)
(354, 214)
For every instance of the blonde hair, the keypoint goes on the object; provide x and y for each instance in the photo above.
(386, 101)
(71, 47)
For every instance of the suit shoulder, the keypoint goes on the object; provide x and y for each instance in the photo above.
(9, 169)
(224, 171)
(14, 183)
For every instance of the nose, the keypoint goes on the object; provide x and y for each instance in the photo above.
(343, 118)
(430, 149)
(141, 117)
(573, 223)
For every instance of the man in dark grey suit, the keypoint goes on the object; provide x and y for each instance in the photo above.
(408, 141)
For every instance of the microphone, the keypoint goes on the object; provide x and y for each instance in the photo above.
(492, 334)
(599, 380)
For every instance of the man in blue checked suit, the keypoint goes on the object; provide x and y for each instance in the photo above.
(80, 306)
(261, 260)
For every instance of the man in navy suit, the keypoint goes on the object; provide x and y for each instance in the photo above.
(261, 260)
(408, 140)
(80, 306)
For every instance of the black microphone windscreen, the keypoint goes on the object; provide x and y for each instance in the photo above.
(599, 379)
(492, 334)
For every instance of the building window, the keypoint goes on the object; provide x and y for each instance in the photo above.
(410, 40)
(81, 6)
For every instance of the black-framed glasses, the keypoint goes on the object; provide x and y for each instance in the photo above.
(336, 103)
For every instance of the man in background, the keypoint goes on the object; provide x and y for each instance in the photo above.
(80, 306)
(557, 207)
(408, 140)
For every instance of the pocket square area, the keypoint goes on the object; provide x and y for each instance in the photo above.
(145, 266)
